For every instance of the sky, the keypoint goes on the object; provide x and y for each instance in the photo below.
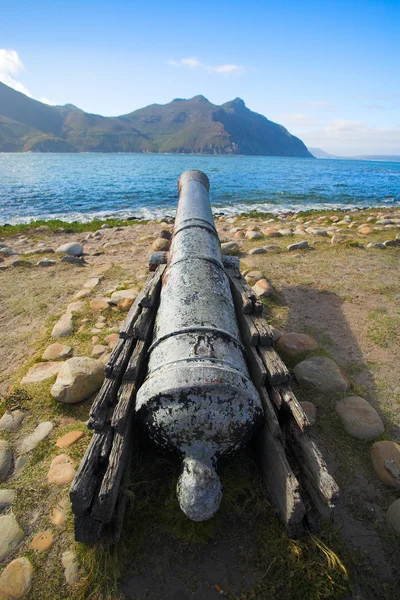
(329, 71)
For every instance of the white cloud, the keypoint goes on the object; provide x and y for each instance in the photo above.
(227, 69)
(193, 63)
(190, 62)
(10, 66)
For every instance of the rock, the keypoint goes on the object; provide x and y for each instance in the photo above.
(46, 263)
(390, 243)
(365, 229)
(359, 418)
(71, 248)
(78, 379)
(63, 327)
(69, 438)
(16, 579)
(271, 232)
(166, 234)
(11, 535)
(98, 350)
(40, 372)
(58, 514)
(393, 515)
(21, 263)
(257, 251)
(123, 294)
(272, 247)
(105, 226)
(42, 541)
(385, 458)
(11, 421)
(322, 374)
(112, 338)
(7, 498)
(71, 567)
(74, 307)
(253, 276)
(253, 235)
(82, 294)
(20, 463)
(376, 245)
(296, 344)
(62, 470)
(125, 304)
(311, 411)
(160, 244)
(239, 235)
(7, 252)
(230, 248)
(263, 288)
(57, 351)
(340, 238)
(276, 333)
(91, 283)
(285, 231)
(43, 229)
(100, 324)
(298, 246)
(30, 442)
(74, 260)
(5, 459)
(99, 304)
(315, 231)
(65, 421)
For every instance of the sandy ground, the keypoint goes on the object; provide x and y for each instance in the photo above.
(347, 298)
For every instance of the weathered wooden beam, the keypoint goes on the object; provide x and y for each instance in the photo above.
(277, 371)
(241, 299)
(105, 399)
(256, 367)
(125, 406)
(119, 366)
(266, 337)
(281, 484)
(290, 403)
(113, 357)
(87, 529)
(270, 414)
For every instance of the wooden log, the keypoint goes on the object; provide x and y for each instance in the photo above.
(125, 406)
(104, 504)
(275, 396)
(248, 331)
(105, 399)
(136, 361)
(106, 446)
(86, 478)
(241, 299)
(277, 371)
(87, 529)
(290, 403)
(266, 337)
(270, 414)
(143, 327)
(311, 462)
(257, 306)
(119, 366)
(113, 356)
(256, 367)
(113, 529)
(281, 484)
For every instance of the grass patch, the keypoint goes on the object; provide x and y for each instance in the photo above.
(8, 230)
(384, 329)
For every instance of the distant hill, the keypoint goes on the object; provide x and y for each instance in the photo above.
(318, 153)
(182, 126)
(387, 157)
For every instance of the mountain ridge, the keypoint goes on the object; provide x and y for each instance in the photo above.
(193, 125)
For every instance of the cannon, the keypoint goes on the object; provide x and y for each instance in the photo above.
(196, 370)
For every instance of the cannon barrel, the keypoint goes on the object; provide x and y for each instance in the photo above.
(197, 398)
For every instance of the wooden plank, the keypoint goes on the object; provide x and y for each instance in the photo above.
(281, 484)
(143, 327)
(243, 303)
(126, 330)
(311, 462)
(106, 398)
(87, 529)
(266, 337)
(256, 367)
(290, 402)
(86, 478)
(104, 504)
(125, 406)
(113, 356)
(277, 371)
(119, 366)
(270, 414)
(275, 396)
(248, 331)
(136, 361)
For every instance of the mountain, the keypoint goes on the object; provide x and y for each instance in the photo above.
(181, 126)
(319, 153)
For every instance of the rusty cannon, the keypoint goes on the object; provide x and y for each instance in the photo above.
(195, 368)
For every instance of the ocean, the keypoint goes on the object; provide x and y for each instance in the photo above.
(79, 187)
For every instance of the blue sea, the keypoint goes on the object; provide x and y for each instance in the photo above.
(79, 187)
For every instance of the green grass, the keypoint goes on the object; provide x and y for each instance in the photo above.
(384, 328)
(72, 227)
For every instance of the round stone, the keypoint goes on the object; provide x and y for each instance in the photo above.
(99, 304)
(57, 351)
(82, 294)
(98, 350)
(63, 327)
(122, 294)
(271, 232)
(69, 438)
(239, 235)
(311, 411)
(263, 288)
(253, 235)
(393, 515)
(16, 579)
(7, 498)
(125, 304)
(41, 372)
(296, 344)
(322, 374)
(30, 442)
(78, 379)
(11, 535)
(71, 567)
(385, 458)
(61, 470)
(91, 283)
(253, 276)
(365, 229)
(11, 421)
(72, 248)
(359, 418)
(42, 541)
(160, 244)
(5, 459)
(58, 514)
(230, 248)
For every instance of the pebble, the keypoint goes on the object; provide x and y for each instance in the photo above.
(321, 373)
(74, 260)
(340, 238)
(257, 251)
(7, 498)
(393, 515)
(365, 229)
(71, 567)
(105, 226)
(57, 351)
(8, 252)
(11, 421)
(71, 248)
(78, 379)
(359, 418)
(239, 235)
(21, 263)
(311, 411)
(5, 459)
(385, 458)
(82, 294)
(253, 276)
(58, 514)
(263, 288)
(69, 438)
(271, 232)
(91, 283)
(42, 541)
(285, 231)
(74, 307)
(62, 470)
(376, 245)
(160, 244)
(253, 235)
(16, 579)
(11, 535)
(298, 246)
(123, 294)
(296, 344)
(100, 304)
(100, 324)
(46, 263)
(98, 350)
(41, 372)
(63, 327)
(112, 338)
(20, 463)
(229, 248)
(30, 442)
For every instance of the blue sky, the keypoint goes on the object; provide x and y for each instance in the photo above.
(329, 71)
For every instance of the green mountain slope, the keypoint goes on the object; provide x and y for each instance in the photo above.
(181, 126)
